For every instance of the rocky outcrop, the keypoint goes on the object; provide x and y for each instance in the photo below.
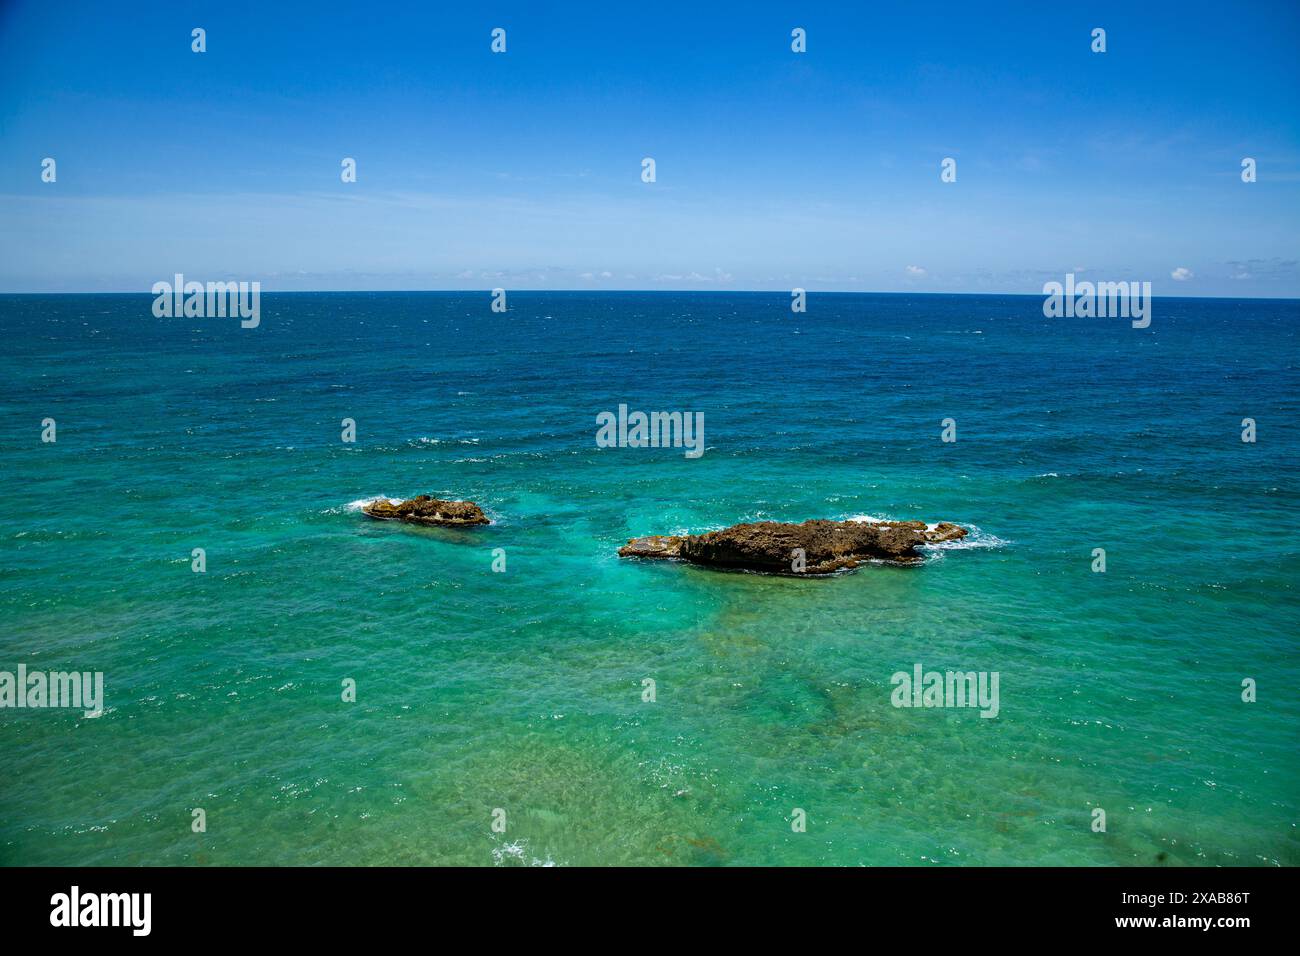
(425, 510)
(813, 547)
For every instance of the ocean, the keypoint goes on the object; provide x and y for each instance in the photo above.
(503, 717)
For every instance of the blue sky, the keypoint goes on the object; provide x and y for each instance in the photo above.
(774, 169)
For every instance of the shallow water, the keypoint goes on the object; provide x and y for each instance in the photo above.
(523, 690)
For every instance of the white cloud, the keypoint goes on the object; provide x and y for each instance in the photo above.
(1181, 274)
(915, 271)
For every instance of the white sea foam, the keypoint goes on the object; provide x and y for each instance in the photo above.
(362, 502)
(975, 539)
(517, 853)
(867, 519)
(425, 440)
(872, 519)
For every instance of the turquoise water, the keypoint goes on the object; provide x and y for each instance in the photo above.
(522, 690)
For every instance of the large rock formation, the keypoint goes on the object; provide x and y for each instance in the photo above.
(425, 510)
(775, 547)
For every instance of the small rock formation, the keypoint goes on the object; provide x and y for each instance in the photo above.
(425, 510)
(772, 546)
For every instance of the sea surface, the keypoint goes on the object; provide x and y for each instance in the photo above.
(522, 691)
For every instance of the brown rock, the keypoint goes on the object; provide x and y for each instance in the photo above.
(772, 547)
(653, 546)
(425, 510)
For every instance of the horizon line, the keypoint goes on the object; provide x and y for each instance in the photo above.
(488, 291)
